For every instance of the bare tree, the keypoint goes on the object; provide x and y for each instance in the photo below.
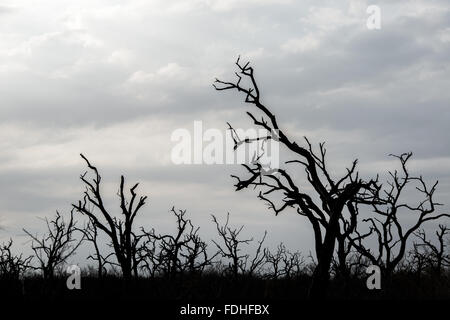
(90, 232)
(56, 246)
(256, 264)
(240, 263)
(324, 206)
(434, 256)
(275, 261)
(293, 264)
(418, 257)
(196, 254)
(12, 266)
(283, 263)
(120, 231)
(388, 205)
(184, 251)
(347, 257)
(172, 245)
(151, 259)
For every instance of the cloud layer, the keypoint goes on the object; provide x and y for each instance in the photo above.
(113, 79)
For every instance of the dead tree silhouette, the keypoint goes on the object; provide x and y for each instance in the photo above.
(239, 263)
(175, 254)
(293, 264)
(196, 254)
(151, 258)
(284, 263)
(56, 246)
(275, 261)
(419, 257)
(386, 226)
(12, 266)
(334, 194)
(123, 240)
(436, 257)
(90, 232)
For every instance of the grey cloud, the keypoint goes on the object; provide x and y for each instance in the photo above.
(6, 9)
(366, 93)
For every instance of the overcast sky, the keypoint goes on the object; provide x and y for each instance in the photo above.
(113, 79)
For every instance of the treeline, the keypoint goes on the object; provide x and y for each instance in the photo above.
(356, 222)
(154, 255)
(135, 253)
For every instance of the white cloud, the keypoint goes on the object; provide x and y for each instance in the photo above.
(47, 149)
(227, 5)
(121, 57)
(168, 72)
(306, 43)
(327, 19)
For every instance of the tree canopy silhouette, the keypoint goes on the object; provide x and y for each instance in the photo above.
(57, 245)
(120, 231)
(329, 203)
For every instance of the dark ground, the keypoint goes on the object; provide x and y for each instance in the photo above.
(212, 287)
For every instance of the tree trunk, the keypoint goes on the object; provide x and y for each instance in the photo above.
(126, 271)
(343, 269)
(321, 275)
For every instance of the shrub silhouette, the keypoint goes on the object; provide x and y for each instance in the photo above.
(169, 255)
(12, 266)
(231, 249)
(56, 246)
